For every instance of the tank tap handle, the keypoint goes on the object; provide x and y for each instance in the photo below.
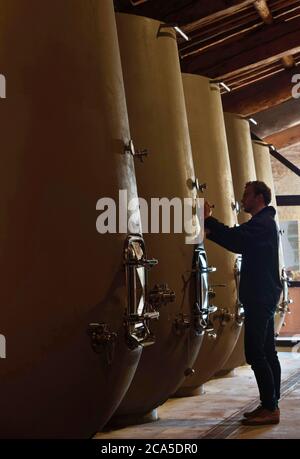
(196, 184)
(148, 264)
(208, 269)
(129, 148)
(161, 295)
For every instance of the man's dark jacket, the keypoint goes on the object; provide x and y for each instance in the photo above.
(257, 241)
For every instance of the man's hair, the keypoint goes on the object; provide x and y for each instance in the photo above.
(261, 188)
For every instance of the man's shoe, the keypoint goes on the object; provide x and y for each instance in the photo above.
(264, 417)
(250, 414)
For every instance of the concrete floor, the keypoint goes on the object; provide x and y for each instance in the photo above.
(218, 412)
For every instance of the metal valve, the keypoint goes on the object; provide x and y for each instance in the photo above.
(182, 323)
(226, 316)
(208, 269)
(102, 339)
(161, 295)
(212, 309)
(200, 323)
(199, 186)
(149, 264)
(141, 154)
(211, 292)
(202, 187)
(189, 372)
(129, 148)
(210, 330)
(240, 314)
(212, 335)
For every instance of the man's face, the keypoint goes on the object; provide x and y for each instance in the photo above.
(249, 200)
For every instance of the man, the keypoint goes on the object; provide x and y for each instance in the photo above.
(260, 288)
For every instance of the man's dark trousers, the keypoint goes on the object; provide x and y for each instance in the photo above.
(261, 353)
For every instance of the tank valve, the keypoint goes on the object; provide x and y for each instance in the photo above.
(226, 316)
(129, 148)
(211, 293)
(212, 335)
(197, 185)
(283, 307)
(202, 187)
(240, 314)
(189, 372)
(161, 295)
(102, 340)
(181, 323)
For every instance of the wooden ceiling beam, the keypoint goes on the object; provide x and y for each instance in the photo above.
(259, 46)
(253, 79)
(283, 139)
(181, 11)
(276, 119)
(224, 25)
(260, 96)
(263, 11)
(288, 61)
(235, 79)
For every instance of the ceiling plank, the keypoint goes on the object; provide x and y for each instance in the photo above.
(181, 11)
(287, 138)
(263, 95)
(263, 11)
(276, 119)
(258, 46)
(288, 61)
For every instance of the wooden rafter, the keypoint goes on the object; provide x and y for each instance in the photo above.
(278, 118)
(259, 46)
(180, 11)
(288, 61)
(263, 11)
(286, 138)
(261, 96)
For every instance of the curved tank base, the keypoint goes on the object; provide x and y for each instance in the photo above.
(132, 419)
(190, 391)
(174, 357)
(47, 402)
(206, 369)
(237, 358)
(226, 373)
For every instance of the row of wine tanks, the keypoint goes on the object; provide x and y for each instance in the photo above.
(108, 326)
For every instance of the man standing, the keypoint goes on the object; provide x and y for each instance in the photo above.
(260, 288)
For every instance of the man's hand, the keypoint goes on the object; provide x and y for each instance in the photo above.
(207, 210)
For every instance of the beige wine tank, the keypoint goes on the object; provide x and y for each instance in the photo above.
(212, 166)
(158, 123)
(243, 171)
(264, 173)
(64, 126)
